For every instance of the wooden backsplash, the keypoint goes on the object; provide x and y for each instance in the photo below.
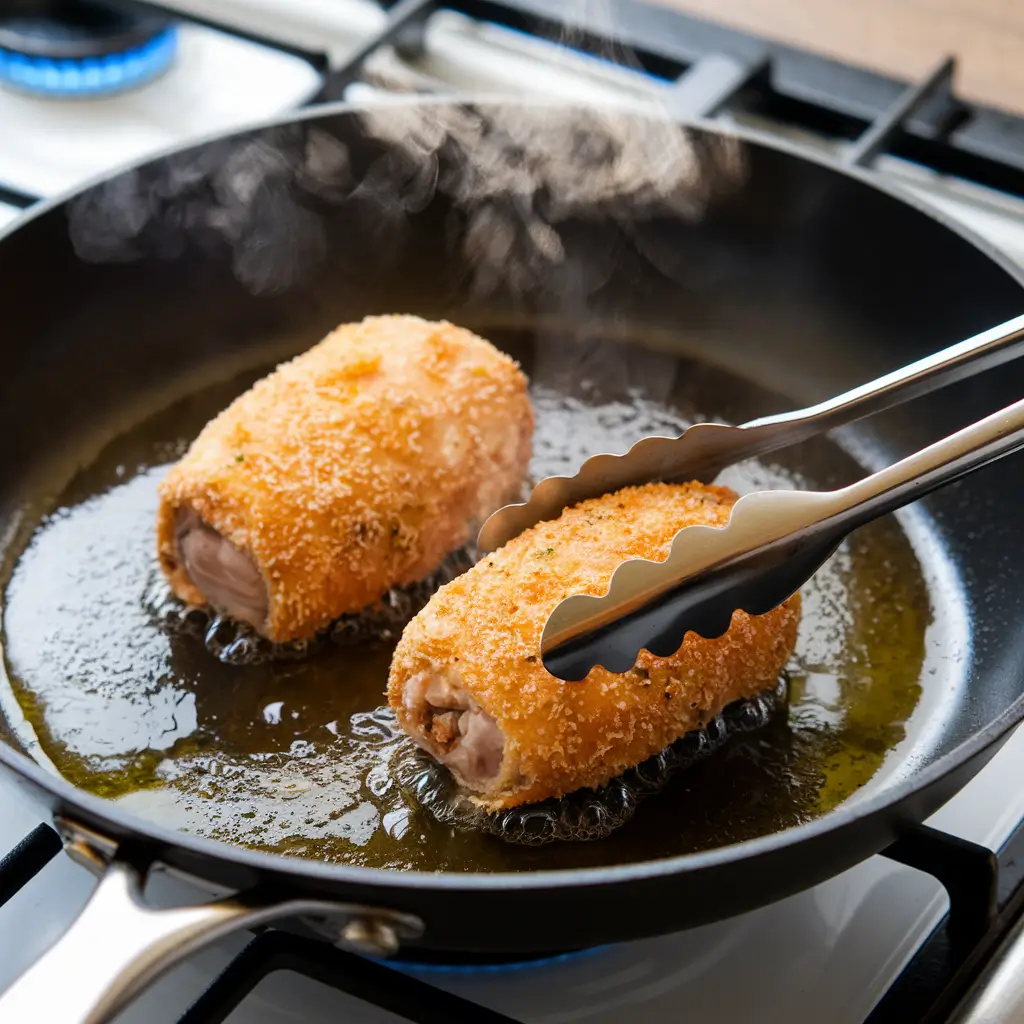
(903, 38)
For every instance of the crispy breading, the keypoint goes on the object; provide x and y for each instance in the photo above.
(356, 467)
(481, 634)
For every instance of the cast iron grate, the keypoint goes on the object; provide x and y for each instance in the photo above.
(713, 69)
(272, 951)
(986, 896)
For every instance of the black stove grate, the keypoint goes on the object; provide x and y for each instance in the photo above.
(942, 970)
(272, 951)
(716, 69)
(986, 897)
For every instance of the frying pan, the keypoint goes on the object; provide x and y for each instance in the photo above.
(788, 272)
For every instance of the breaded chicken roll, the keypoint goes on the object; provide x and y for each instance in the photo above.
(352, 469)
(468, 684)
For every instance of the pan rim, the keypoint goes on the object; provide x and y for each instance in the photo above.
(299, 870)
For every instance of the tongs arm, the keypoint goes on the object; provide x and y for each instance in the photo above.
(773, 543)
(705, 449)
(985, 351)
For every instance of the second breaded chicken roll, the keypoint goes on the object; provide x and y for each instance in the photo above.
(468, 684)
(352, 469)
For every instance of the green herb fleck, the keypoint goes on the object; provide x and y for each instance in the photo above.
(239, 458)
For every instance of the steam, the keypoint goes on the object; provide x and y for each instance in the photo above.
(518, 174)
(545, 203)
(600, 17)
(250, 193)
(524, 175)
(533, 189)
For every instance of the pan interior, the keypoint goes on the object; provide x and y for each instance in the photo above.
(282, 756)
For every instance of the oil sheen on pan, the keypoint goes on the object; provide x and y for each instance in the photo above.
(111, 685)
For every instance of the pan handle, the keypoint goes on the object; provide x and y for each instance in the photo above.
(118, 945)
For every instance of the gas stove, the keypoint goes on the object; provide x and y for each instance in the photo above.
(895, 939)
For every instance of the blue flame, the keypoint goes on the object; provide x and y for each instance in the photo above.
(515, 965)
(89, 76)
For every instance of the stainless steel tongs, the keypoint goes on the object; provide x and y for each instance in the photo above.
(775, 540)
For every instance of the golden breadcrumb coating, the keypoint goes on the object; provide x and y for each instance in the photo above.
(481, 633)
(356, 467)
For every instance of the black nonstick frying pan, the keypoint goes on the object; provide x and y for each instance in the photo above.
(645, 273)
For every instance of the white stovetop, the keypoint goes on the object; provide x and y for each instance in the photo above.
(824, 955)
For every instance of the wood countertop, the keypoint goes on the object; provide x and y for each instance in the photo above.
(901, 38)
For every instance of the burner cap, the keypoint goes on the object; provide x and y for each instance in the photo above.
(83, 49)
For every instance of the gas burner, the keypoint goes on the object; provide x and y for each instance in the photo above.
(65, 49)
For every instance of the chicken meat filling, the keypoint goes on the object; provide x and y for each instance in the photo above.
(454, 728)
(226, 576)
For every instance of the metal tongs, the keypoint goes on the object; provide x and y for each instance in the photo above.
(775, 540)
